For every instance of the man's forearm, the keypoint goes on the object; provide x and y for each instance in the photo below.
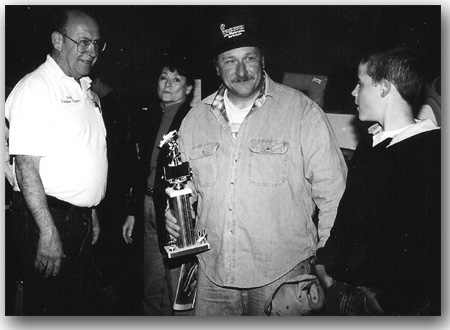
(30, 184)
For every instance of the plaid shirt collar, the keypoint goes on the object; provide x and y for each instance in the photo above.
(218, 103)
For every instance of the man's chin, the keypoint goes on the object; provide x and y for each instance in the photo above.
(85, 68)
(243, 92)
(83, 73)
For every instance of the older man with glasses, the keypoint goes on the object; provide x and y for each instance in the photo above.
(84, 45)
(58, 140)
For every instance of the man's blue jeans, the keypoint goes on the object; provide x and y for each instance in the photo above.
(214, 300)
(65, 293)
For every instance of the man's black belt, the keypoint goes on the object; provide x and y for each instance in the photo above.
(62, 205)
(51, 201)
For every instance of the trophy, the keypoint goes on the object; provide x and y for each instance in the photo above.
(177, 174)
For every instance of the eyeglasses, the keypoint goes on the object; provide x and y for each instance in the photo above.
(85, 44)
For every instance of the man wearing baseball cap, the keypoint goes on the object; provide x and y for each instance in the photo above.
(263, 156)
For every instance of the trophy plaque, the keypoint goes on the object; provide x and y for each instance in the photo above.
(177, 174)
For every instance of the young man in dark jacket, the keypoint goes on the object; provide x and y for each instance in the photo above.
(383, 253)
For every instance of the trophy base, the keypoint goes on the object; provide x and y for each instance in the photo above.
(173, 252)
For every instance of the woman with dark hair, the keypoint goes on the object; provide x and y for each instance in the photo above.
(174, 90)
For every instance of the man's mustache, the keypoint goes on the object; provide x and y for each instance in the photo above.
(243, 78)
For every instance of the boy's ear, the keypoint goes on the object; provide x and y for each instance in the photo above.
(385, 87)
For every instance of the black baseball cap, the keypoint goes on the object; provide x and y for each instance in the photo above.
(238, 29)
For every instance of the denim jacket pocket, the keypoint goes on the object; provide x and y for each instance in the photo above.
(203, 161)
(268, 162)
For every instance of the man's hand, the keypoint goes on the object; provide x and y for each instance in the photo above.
(127, 229)
(95, 226)
(49, 253)
(171, 224)
(325, 280)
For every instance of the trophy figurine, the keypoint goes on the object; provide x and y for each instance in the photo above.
(177, 174)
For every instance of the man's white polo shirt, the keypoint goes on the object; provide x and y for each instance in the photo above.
(52, 116)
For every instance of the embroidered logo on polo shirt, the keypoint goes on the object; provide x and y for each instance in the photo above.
(232, 31)
(69, 99)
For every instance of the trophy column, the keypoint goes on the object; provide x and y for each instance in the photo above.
(177, 173)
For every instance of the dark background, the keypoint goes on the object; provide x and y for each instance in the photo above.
(325, 40)
(321, 40)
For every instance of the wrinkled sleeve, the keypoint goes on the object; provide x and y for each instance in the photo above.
(29, 113)
(324, 168)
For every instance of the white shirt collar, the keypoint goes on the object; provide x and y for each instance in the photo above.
(401, 134)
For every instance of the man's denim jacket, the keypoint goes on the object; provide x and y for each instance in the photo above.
(257, 192)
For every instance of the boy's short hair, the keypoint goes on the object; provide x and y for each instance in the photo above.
(402, 68)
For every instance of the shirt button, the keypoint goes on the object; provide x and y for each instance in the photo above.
(232, 182)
